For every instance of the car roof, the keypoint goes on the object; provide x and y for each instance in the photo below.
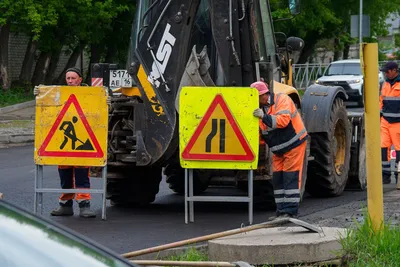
(30, 238)
(346, 61)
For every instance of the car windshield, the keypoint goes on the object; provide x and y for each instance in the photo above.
(27, 240)
(343, 69)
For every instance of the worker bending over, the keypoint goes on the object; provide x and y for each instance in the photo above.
(283, 130)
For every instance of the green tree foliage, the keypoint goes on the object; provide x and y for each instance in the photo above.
(330, 19)
(54, 25)
(28, 16)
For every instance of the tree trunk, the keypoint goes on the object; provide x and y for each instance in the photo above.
(346, 51)
(41, 68)
(5, 82)
(55, 56)
(336, 53)
(111, 54)
(308, 50)
(71, 63)
(27, 64)
(95, 56)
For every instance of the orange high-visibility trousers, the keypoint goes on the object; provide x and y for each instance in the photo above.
(73, 177)
(286, 179)
(390, 135)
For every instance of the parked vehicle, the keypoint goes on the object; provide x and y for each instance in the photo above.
(347, 74)
(29, 240)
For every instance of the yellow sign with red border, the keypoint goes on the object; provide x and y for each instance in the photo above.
(217, 128)
(71, 126)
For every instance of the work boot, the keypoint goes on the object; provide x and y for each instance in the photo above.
(85, 211)
(272, 218)
(63, 211)
(280, 216)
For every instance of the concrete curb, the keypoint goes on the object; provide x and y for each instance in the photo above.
(17, 106)
(15, 140)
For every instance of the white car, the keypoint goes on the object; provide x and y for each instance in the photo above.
(347, 74)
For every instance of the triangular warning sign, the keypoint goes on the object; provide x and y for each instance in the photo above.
(72, 145)
(218, 137)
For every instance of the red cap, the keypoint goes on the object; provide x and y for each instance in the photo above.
(262, 87)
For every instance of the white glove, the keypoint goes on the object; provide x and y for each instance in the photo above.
(258, 113)
(36, 90)
(108, 100)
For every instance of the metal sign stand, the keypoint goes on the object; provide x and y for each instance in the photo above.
(189, 198)
(39, 190)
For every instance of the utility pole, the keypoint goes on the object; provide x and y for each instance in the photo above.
(361, 15)
(372, 134)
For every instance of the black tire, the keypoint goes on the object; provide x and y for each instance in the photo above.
(360, 101)
(134, 186)
(328, 172)
(304, 174)
(175, 177)
(358, 177)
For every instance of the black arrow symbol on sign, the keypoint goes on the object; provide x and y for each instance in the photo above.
(213, 133)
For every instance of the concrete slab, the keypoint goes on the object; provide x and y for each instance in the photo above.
(27, 113)
(19, 106)
(281, 245)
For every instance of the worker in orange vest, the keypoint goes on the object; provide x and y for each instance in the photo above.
(283, 130)
(389, 102)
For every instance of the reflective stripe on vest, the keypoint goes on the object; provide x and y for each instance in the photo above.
(389, 110)
(288, 143)
(392, 98)
(391, 115)
(273, 118)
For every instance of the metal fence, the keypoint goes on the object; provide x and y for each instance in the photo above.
(305, 75)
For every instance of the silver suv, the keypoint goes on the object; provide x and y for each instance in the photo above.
(347, 74)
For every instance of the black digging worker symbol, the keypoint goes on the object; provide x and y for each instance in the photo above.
(69, 133)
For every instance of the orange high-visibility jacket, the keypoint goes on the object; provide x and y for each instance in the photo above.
(389, 101)
(282, 127)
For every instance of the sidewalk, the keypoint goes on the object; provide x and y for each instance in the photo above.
(17, 124)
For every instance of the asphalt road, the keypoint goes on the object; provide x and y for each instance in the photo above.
(128, 229)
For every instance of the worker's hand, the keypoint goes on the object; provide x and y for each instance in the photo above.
(108, 100)
(36, 89)
(258, 113)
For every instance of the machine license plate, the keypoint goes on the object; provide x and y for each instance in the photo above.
(120, 78)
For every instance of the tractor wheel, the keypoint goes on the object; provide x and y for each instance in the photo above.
(358, 178)
(304, 173)
(134, 186)
(176, 179)
(328, 172)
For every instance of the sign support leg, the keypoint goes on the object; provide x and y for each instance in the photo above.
(250, 184)
(35, 198)
(191, 204)
(186, 195)
(104, 200)
(40, 186)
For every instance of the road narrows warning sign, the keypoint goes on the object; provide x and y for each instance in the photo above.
(71, 126)
(219, 118)
(217, 128)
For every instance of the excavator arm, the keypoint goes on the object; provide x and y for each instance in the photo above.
(237, 44)
(158, 63)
